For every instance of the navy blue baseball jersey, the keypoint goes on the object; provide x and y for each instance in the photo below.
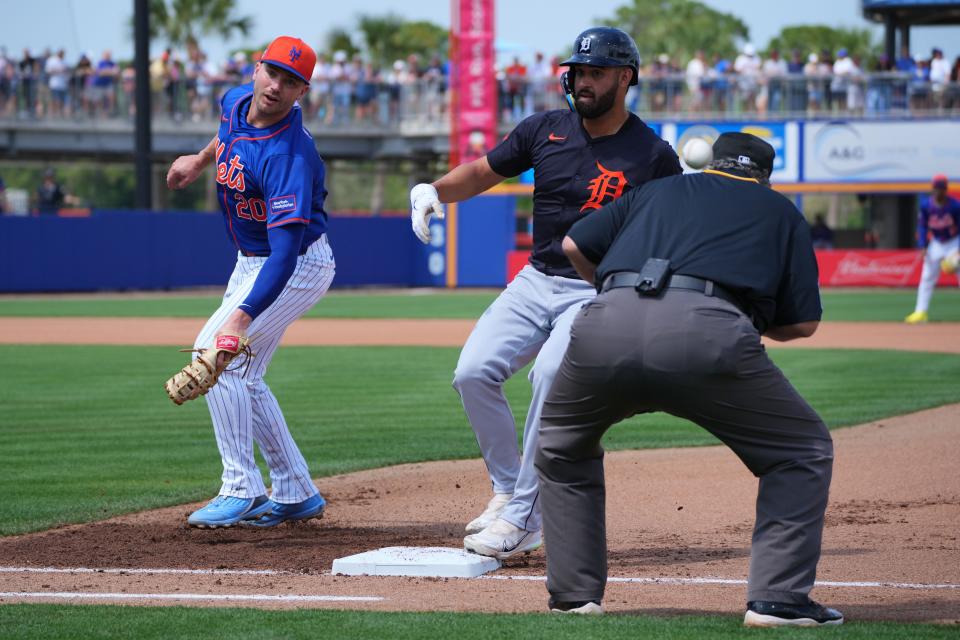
(575, 174)
(267, 177)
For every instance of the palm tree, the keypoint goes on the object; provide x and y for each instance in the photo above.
(679, 27)
(379, 32)
(339, 39)
(391, 37)
(184, 22)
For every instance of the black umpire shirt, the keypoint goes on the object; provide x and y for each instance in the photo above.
(717, 226)
(575, 174)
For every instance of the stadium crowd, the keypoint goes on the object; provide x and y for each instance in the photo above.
(353, 90)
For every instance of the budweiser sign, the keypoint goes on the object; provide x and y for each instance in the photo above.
(855, 268)
(869, 268)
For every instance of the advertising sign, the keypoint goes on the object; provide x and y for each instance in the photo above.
(895, 151)
(838, 268)
(784, 137)
(900, 268)
(474, 126)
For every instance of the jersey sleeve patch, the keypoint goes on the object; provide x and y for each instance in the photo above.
(283, 204)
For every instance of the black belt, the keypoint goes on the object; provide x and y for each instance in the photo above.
(706, 287)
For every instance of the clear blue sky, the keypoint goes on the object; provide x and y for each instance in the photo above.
(528, 25)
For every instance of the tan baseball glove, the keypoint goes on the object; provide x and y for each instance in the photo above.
(195, 379)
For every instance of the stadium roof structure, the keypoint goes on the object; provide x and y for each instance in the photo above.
(900, 15)
(912, 12)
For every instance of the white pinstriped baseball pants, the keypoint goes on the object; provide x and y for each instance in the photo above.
(241, 404)
(936, 251)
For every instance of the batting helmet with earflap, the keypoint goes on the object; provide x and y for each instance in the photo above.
(605, 47)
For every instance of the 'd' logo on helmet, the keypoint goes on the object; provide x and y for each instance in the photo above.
(584, 45)
(295, 54)
(609, 184)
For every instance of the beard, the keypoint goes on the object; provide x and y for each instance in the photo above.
(600, 105)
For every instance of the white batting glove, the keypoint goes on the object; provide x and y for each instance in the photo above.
(424, 203)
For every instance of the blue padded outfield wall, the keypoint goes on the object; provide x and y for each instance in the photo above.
(113, 251)
(486, 227)
(134, 250)
(138, 250)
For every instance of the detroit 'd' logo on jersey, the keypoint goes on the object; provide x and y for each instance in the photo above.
(606, 187)
(230, 174)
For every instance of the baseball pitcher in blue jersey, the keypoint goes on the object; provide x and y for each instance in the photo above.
(938, 237)
(582, 159)
(270, 186)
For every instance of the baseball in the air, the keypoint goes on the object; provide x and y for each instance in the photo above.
(697, 153)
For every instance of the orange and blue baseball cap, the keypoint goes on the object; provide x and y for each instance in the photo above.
(939, 181)
(293, 55)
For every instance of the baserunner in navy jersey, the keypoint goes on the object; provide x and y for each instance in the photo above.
(270, 186)
(582, 160)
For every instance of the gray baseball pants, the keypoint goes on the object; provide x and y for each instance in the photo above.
(701, 359)
(530, 319)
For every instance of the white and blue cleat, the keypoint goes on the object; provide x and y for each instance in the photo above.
(278, 512)
(226, 511)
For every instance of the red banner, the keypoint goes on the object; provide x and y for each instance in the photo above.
(473, 124)
(838, 268)
(875, 268)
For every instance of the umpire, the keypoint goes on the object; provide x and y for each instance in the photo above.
(692, 270)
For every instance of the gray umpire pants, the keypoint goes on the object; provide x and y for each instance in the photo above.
(698, 358)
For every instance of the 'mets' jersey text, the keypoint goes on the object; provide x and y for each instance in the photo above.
(267, 177)
(575, 174)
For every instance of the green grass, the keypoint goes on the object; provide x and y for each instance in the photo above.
(890, 305)
(53, 622)
(87, 432)
(887, 305)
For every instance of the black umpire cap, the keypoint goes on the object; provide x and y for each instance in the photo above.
(745, 148)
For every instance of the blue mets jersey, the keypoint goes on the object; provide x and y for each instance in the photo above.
(940, 222)
(267, 177)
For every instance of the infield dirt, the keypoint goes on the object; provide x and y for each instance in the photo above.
(939, 337)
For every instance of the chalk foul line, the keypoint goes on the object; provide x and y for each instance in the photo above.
(869, 584)
(234, 597)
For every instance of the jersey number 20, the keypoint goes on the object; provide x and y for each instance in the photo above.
(250, 209)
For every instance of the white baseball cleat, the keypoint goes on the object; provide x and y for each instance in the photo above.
(492, 512)
(502, 540)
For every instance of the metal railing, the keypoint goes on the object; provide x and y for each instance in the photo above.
(384, 105)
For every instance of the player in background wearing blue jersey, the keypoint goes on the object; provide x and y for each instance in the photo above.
(938, 236)
(270, 185)
(582, 160)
